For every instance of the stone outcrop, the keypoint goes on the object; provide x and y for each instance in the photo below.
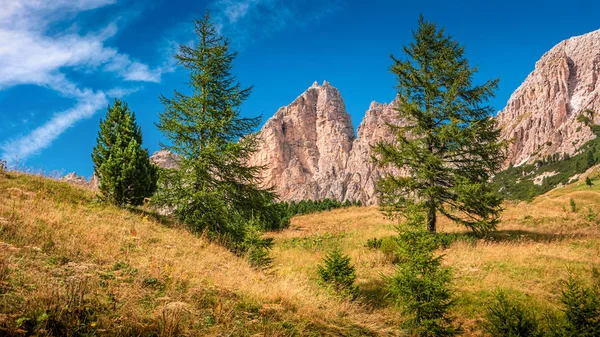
(73, 178)
(163, 158)
(361, 173)
(541, 115)
(310, 151)
(305, 146)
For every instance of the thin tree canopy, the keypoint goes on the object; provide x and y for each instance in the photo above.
(213, 186)
(445, 137)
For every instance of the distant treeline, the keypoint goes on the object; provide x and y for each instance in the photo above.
(313, 206)
(285, 210)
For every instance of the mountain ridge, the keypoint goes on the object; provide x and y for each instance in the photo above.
(540, 120)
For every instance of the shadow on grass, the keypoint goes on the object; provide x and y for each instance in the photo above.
(507, 235)
(165, 220)
(516, 235)
(374, 294)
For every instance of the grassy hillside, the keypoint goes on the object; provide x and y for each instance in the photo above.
(71, 263)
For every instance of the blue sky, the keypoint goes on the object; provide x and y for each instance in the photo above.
(63, 61)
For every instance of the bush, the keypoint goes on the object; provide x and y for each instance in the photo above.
(373, 243)
(257, 248)
(573, 205)
(421, 286)
(581, 307)
(244, 238)
(338, 272)
(590, 215)
(506, 317)
(389, 248)
(588, 182)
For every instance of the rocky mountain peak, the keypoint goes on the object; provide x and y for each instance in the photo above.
(306, 144)
(311, 152)
(541, 115)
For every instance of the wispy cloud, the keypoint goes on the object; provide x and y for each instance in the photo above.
(30, 54)
(245, 21)
(41, 137)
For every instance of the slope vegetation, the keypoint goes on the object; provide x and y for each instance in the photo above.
(71, 265)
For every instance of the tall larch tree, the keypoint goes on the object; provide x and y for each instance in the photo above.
(124, 170)
(213, 186)
(446, 137)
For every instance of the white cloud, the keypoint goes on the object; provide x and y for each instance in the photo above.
(29, 54)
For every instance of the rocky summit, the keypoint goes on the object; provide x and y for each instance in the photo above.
(310, 151)
(541, 115)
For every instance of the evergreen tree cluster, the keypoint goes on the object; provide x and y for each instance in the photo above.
(292, 208)
(517, 183)
(212, 189)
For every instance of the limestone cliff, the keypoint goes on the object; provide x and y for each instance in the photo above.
(541, 115)
(310, 150)
(305, 146)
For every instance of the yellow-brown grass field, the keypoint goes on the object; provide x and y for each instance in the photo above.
(71, 265)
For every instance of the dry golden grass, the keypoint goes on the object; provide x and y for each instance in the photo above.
(139, 274)
(135, 267)
(536, 246)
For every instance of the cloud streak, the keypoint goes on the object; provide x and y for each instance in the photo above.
(21, 148)
(245, 21)
(29, 54)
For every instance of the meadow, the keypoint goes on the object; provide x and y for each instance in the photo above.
(72, 265)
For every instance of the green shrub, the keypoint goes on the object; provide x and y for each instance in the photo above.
(373, 243)
(244, 238)
(389, 248)
(588, 182)
(338, 272)
(590, 215)
(257, 248)
(507, 317)
(573, 205)
(421, 286)
(581, 307)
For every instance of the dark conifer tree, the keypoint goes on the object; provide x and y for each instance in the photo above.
(123, 167)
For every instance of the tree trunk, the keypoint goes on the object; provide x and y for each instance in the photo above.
(431, 219)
